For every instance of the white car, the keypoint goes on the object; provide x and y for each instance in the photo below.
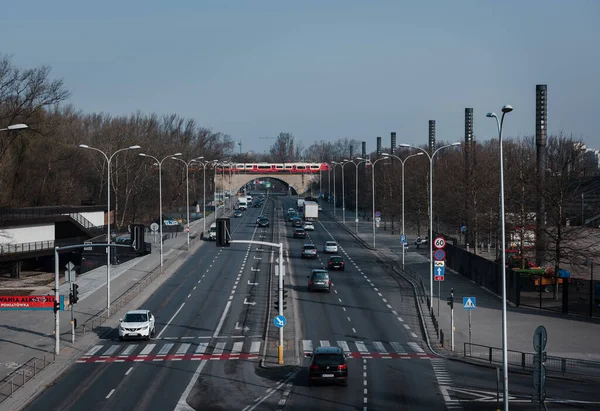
(137, 324)
(308, 227)
(320, 208)
(330, 247)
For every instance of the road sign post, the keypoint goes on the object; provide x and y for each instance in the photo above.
(154, 228)
(469, 304)
(439, 277)
(540, 338)
(439, 243)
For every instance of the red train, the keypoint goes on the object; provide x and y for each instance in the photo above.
(275, 167)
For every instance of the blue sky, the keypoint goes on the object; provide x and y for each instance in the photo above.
(321, 70)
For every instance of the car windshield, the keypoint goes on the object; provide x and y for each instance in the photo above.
(336, 259)
(300, 231)
(320, 275)
(328, 359)
(309, 247)
(330, 243)
(135, 318)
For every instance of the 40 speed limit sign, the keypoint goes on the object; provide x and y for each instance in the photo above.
(439, 243)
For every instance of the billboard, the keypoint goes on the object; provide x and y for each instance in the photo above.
(29, 302)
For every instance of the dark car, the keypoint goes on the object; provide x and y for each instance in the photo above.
(328, 365)
(238, 213)
(292, 216)
(257, 205)
(309, 251)
(297, 222)
(319, 280)
(262, 222)
(335, 263)
(299, 233)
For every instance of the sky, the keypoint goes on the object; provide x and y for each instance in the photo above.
(321, 70)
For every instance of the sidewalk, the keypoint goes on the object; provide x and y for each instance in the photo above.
(28, 334)
(566, 337)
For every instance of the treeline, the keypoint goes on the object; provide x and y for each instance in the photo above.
(44, 165)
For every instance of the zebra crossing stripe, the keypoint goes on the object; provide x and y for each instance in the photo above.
(398, 348)
(183, 348)
(344, 346)
(307, 346)
(255, 347)
(112, 349)
(219, 348)
(379, 347)
(147, 349)
(324, 343)
(165, 349)
(93, 350)
(201, 348)
(237, 347)
(416, 347)
(129, 350)
(361, 346)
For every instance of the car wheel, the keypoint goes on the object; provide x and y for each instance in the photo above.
(153, 333)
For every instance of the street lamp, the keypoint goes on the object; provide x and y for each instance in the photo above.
(385, 157)
(403, 162)
(500, 123)
(204, 164)
(108, 236)
(344, 162)
(431, 157)
(361, 160)
(187, 192)
(160, 218)
(15, 127)
(335, 164)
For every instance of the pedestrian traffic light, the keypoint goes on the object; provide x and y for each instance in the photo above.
(74, 294)
(223, 232)
(56, 306)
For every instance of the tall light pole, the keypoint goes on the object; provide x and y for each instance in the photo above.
(500, 123)
(160, 218)
(187, 192)
(108, 236)
(431, 157)
(204, 164)
(335, 164)
(356, 165)
(344, 162)
(403, 162)
(385, 155)
(14, 127)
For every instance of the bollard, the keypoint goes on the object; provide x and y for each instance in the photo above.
(442, 337)
(34, 369)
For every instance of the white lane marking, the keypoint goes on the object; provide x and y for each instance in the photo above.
(111, 350)
(201, 348)
(169, 322)
(354, 330)
(129, 371)
(416, 347)
(189, 295)
(400, 319)
(222, 320)
(376, 289)
(414, 335)
(398, 347)
(344, 346)
(127, 351)
(182, 404)
(344, 308)
(255, 347)
(395, 312)
(270, 392)
(307, 346)
(361, 346)
(406, 326)
(110, 393)
(237, 347)
(147, 349)
(183, 348)
(93, 350)
(348, 318)
(165, 349)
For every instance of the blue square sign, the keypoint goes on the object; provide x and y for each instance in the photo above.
(469, 303)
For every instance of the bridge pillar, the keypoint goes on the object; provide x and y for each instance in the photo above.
(15, 269)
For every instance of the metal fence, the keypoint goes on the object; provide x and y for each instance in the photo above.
(17, 379)
(524, 361)
(39, 245)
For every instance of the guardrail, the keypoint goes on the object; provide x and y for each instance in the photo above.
(524, 361)
(26, 247)
(17, 379)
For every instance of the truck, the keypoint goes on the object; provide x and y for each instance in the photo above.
(242, 203)
(311, 211)
(249, 200)
(212, 233)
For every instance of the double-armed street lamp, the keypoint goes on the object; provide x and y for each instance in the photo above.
(204, 164)
(500, 124)
(187, 191)
(356, 165)
(431, 157)
(160, 218)
(108, 234)
(14, 127)
(335, 164)
(403, 162)
(385, 156)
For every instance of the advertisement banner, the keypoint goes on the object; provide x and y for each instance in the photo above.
(29, 302)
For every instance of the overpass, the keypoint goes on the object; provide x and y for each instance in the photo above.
(234, 181)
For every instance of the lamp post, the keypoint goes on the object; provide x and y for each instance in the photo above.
(187, 192)
(335, 164)
(385, 156)
(160, 218)
(108, 236)
(500, 124)
(403, 162)
(344, 162)
(360, 161)
(14, 127)
(431, 157)
(204, 164)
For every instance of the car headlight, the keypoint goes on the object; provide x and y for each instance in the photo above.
(145, 327)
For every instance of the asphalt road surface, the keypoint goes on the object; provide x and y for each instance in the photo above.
(210, 323)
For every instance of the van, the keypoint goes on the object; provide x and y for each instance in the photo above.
(212, 234)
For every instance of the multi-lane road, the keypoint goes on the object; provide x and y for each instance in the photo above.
(210, 327)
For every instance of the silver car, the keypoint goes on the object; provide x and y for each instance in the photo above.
(319, 280)
(330, 247)
(309, 251)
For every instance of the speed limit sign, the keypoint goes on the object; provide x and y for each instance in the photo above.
(439, 242)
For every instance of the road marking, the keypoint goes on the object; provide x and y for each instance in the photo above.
(348, 318)
(379, 346)
(182, 404)
(169, 322)
(365, 384)
(93, 350)
(414, 335)
(189, 295)
(147, 349)
(255, 347)
(111, 350)
(165, 349)
(129, 371)
(324, 343)
(416, 347)
(344, 346)
(222, 320)
(406, 326)
(354, 330)
(360, 346)
(110, 393)
(127, 351)
(183, 348)
(201, 348)
(344, 308)
(398, 347)
(219, 348)
(400, 319)
(237, 347)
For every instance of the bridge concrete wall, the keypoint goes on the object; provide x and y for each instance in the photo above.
(27, 234)
(299, 182)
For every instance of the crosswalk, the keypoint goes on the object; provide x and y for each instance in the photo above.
(246, 349)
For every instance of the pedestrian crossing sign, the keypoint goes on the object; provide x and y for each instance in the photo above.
(469, 303)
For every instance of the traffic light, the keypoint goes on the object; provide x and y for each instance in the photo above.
(223, 232)
(56, 306)
(451, 299)
(138, 242)
(74, 294)
(277, 305)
